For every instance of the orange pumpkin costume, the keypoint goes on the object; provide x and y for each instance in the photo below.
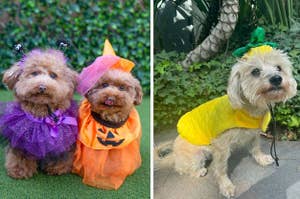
(105, 156)
(96, 159)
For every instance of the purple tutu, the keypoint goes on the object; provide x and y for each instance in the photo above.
(39, 137)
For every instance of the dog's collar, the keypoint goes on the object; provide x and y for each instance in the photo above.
(109, 124)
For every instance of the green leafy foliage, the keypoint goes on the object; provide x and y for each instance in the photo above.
(276, 12)
(177, 91)
(86, 24)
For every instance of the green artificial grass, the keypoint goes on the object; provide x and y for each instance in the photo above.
(70, 185)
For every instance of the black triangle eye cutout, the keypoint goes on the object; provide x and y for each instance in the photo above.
(110, 135)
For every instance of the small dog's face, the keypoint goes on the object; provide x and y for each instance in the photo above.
(261, 79)
(42, 77)
(114, 95)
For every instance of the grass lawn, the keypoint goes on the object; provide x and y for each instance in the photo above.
(70, 185)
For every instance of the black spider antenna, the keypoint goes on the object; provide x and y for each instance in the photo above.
(19, 49)
(62, 44)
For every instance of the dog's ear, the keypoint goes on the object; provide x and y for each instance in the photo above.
(138, 92)
(11, 76)
(234, 89)
(72, 76)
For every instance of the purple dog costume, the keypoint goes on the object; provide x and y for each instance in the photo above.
(39, 137)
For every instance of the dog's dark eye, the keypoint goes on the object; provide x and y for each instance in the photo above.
(104, 85)
(255, 72)
(53, 75)
(121, 88)
(89, 92)
(278, 68)
(35, 73)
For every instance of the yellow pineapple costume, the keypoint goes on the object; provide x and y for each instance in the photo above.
(213, 118)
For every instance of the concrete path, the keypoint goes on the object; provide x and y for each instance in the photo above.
(252, 181)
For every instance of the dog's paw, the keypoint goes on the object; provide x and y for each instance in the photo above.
(18, 166)
(58, 168)
(227, 189)
(264, 159)
(21, 172)
(199, 173)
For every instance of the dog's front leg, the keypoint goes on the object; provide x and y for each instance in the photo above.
(260, 157)
(220, 165)
(18, 165)
(59, 165)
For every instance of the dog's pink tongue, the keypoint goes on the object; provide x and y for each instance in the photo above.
(109, 102)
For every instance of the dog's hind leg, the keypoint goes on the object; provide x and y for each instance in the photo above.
(190, 159)
(260, 157)
(163, 155)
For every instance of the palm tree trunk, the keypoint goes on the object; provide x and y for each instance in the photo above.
(219, 35)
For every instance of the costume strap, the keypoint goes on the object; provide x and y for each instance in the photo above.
(273, 129)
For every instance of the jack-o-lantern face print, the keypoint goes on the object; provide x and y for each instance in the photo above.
(109, 138)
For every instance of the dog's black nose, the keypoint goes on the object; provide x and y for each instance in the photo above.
(275, 80)
(42, 88)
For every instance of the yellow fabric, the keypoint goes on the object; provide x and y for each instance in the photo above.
(101, 166)
(124, 64)
(212, 118)
(258, 50)
(108, 49)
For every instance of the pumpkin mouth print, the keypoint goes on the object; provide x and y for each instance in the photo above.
(110, 138)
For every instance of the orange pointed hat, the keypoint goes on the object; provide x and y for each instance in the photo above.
(123, 64)
(109, 60)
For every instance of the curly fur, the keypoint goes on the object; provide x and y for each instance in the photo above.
(252, 93)
(114, 95)
(40, 79)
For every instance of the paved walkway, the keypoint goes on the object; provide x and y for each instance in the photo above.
(252, 181)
